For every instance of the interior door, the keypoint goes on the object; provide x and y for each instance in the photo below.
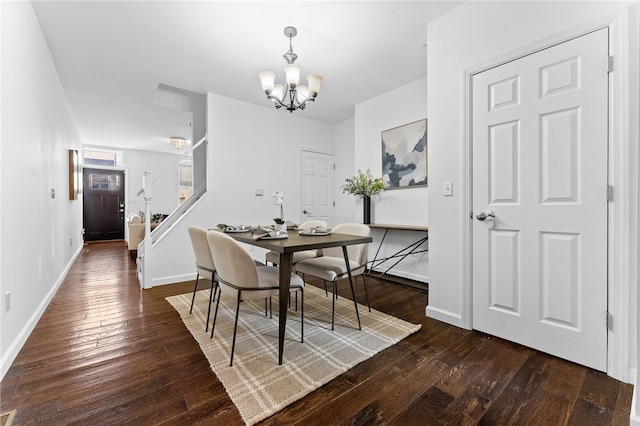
(317, 187)
(103, 212)
(539, 200)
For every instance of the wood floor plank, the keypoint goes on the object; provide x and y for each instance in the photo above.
(107, 352)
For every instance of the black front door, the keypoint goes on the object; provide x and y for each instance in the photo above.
(103, 198)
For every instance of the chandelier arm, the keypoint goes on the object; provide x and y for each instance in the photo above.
(279, 102)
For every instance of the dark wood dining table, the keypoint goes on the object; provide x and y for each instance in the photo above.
(286, 247)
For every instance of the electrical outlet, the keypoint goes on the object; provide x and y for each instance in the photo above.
(71, 243)
(7, 301)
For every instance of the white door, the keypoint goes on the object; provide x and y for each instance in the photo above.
(540, 166)
(317, 187)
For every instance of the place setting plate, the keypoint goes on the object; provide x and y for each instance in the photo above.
(236, 229)
(314, 232)
(274, 237)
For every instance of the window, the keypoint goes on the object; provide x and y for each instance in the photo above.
(99, 157)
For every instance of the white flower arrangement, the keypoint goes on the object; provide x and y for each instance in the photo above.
(278, 200)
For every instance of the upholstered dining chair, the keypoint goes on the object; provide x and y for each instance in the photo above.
(332, 267)
(205, 266)
(274, 257)
(239, 278)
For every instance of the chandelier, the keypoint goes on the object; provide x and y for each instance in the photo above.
(291, 96)
(177, 142)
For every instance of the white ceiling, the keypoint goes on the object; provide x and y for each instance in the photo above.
(111, 56)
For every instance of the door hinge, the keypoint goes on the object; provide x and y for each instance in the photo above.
(609, 193)
(609, 321)
(334, 204)
(609, 63)
(334, 166)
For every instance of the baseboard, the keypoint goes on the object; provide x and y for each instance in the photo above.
(403, 274)
(17, 344)
(634, 418)
(444, 316)
(173, 279)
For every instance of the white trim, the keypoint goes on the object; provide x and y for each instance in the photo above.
(620, 303)
(466, 200)
(620, 165)
(444, 316)
(173, 279)
(403, 274)
(634, 418)
(14, 348)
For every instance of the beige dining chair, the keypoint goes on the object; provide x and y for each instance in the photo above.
(274, 257)
(240, 279)
(332, 267)
(205, 266)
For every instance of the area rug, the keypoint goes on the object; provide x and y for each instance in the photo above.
(256, 384)
(6, 419)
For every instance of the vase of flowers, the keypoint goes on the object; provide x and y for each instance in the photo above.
(278, 200)
(363, 185)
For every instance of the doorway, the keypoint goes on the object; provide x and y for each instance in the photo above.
(539, 160)
(316, 190)
(104, 207)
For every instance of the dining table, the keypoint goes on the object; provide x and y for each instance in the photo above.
(285, 247)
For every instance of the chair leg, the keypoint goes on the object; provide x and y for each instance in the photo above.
(193, 298)
(326, 293)
(333, 305)
(215, 314)
(211, 294)
(366, 292)
(235, 329)
(301, 313)
(355, 303)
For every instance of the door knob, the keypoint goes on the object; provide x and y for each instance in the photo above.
(306, 212)
(485, 215)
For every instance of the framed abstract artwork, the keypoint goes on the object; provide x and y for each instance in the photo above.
(404, 156)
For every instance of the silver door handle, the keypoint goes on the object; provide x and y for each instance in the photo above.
(485, 215)
(306, 212)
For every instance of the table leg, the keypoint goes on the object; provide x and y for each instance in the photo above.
(353, 290)
(285, 283)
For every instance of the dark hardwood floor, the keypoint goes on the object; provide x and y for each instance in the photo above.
(108, 352)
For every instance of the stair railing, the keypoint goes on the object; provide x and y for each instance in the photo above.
(152, 237)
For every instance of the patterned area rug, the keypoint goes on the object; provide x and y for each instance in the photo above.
(256, 384)
(6, 419)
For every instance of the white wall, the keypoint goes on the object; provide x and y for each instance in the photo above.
(344, 160)
(249, 147)
(408, 206)
(41, 236)
(470, 34)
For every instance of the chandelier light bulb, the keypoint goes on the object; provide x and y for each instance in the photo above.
(267, 79)
(293, 75)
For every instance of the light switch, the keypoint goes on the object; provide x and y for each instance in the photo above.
(447, 189)
(259, 192)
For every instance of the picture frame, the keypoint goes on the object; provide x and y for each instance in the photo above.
(404, 156)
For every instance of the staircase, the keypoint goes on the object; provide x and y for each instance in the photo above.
(198, 154)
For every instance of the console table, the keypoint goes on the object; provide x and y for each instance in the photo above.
(413, 248)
